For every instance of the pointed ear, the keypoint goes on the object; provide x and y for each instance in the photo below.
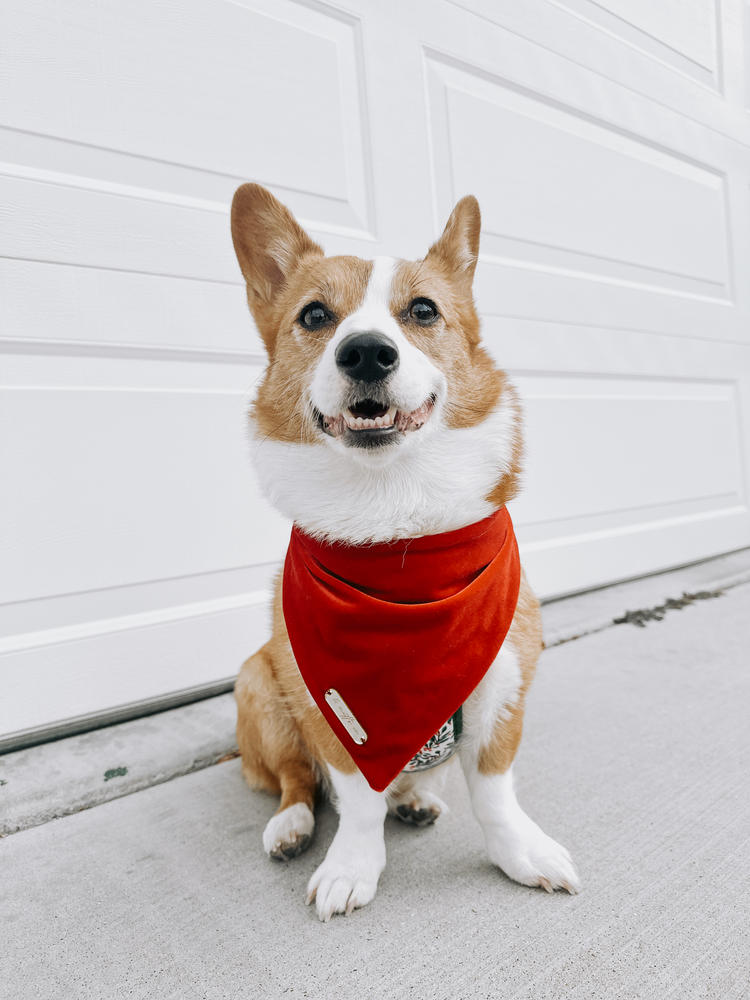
(458, 247)
(268, 241)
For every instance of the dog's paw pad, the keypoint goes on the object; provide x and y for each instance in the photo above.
(416, 814)
(290, 849)
(288, 833)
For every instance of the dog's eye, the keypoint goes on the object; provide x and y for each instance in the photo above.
(423, 311)
(314, 316)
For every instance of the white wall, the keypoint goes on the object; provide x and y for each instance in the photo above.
(609, 145)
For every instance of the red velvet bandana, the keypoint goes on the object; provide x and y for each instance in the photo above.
(398, 633)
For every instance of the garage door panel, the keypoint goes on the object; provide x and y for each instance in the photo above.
(683, 36)
(189, 85)
(591, 195)
(120, 483)
(641, 473)
(527, 291)
(77, 165)
(570, 193)
(580, 560)
(94, 228)
(654, 443)
(94, 671)
(86, 225)
(710, 90)
(63, 306)
(42, 620)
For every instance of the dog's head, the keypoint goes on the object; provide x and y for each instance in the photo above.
(365, 356)
(375, 413)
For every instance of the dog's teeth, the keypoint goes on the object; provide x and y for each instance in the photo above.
(356, 423)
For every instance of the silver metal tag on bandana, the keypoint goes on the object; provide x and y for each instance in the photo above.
(345, 716)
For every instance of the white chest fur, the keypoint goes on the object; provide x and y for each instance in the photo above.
(433, 485)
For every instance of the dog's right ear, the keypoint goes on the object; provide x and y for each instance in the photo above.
(269, 243)
(458, 247)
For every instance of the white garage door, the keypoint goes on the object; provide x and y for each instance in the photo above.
(608, 145)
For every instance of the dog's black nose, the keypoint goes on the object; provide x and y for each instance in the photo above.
(367, 357)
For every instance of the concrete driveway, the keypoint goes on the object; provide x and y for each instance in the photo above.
(636, 756)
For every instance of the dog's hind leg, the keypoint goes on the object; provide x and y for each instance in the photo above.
(274, 757)
(415, 797)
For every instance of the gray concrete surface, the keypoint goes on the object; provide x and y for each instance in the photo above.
(636, 756)
(52, 780)
(44, 782)
(572, 617)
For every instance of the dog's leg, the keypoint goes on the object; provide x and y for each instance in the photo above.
(415, 797)
(274, 757)
(289, 831)
(493, 720)
(348, 876)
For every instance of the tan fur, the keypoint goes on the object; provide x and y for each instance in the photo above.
(525, 635)
(274, 756)
(285, 742)
(452, 343)
(340, 284)
(275, 713)
(509, 484)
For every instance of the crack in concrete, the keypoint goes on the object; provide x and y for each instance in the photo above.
(642, 616)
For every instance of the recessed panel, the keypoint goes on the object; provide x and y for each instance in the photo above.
(562, 191)
(680, 33)
(189, 82)
(190, 98)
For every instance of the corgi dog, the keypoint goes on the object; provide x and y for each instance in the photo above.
(380, 417)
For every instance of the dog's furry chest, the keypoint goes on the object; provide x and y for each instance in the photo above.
(441, 485)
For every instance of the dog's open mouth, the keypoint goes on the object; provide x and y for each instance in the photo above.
(375, 421)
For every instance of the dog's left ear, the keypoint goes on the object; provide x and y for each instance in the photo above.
(458, 248)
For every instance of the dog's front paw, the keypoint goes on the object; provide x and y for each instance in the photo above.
(289, 832)
(527, 855)
(342, 884)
